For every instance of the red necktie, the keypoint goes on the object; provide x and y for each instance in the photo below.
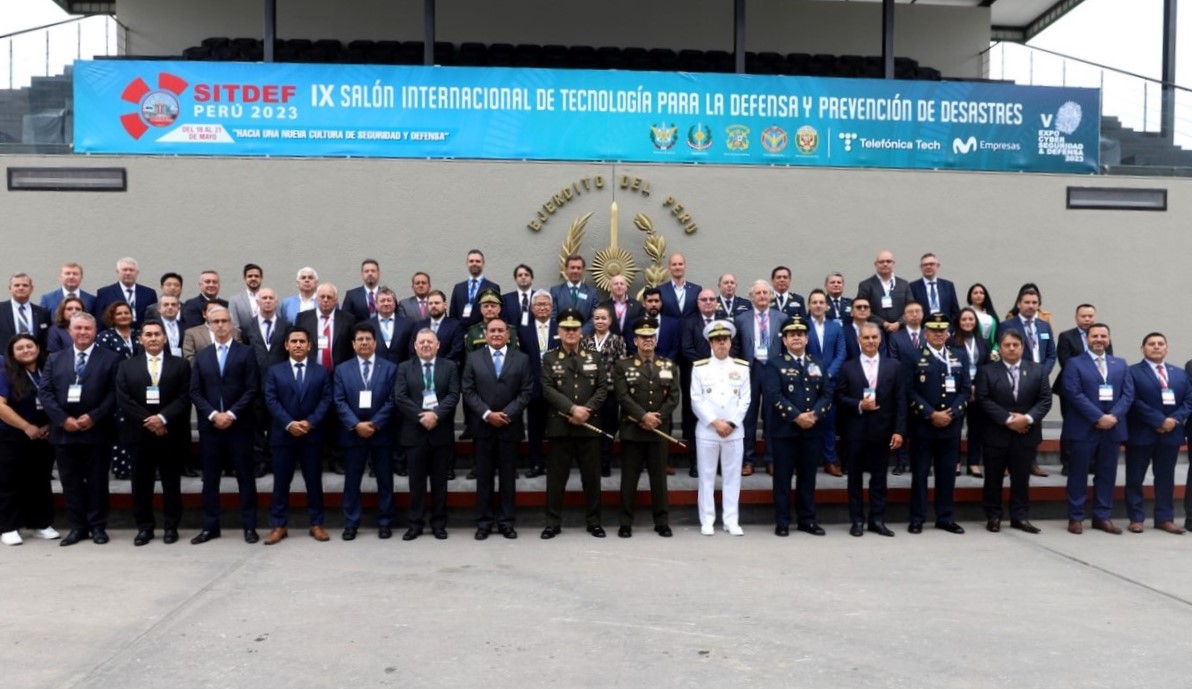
(1162, 375)
(326, 353)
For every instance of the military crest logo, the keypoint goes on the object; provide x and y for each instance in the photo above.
(807, 139)
(699, 137)
(662, 135)
(774, 139)
(738, 137)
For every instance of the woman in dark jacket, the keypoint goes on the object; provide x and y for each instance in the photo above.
(26, 457)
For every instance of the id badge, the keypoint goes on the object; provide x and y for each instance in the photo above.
(429, 399)
(1169, 397)
(366, 399)
(761, 353)
(972, 372)
(525, 319)
(887, 302)
(869, 394)
(665, 374)
(949, 384)
(582, 296)
(1105, 393)
(74, 393)
(467, 310)
(323, 343)
(152, 395)
(813, 370)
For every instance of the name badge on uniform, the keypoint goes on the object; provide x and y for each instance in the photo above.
(590, 367)
(869, 394)
(665, 374)
(323, 342)
(582, 296)
(429, 399)
(1044, 336)
(366, 399)
(949, 384)
(467, 310)
(525, 318)
(1105, 393)
(887, 302)
(152, 394)
(1169, 397)
(813, 370)
(74, 393)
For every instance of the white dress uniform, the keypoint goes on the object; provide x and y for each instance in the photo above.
(719, 390)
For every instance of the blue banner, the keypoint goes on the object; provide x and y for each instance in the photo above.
(281, 109)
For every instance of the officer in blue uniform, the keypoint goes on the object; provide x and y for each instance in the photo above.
(797, 385)
(939, 392)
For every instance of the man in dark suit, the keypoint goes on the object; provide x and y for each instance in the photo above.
(535, 340)
(693, 347)
(265, 334)
(77, 392)
(1068, 344)
(448, 331)
(1038, 343)
(825, 342)
(331, 328)
(126, 289)
(415, 307)
(839, 306)
(298, 397)
(800, 391)
(939, 390)
(426, 393)
(625, 310)
(70, 279)
(394, 332)
(223, 385)
(153, 393)
(1014, 396)
(1162, 405)
(871, 400)
(20, 315)
(759, 338)
(906, 345)
(678, 295)
(366, 411)
(193, 308)
(497, 386)
(728, 304)
(168, 312)
(170, 283)
(515, 305)
(859, 310)
(463, 295)
(786, 301)
(936, 294)
(574, 293)
(361, 301)
(887, 293)
(1100, 392)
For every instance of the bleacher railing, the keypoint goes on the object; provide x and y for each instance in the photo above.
(46, 51)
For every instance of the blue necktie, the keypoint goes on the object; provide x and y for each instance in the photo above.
(80, 366)
(498, 361)
(223, 357)
(24, 319)
(367, 371)
(298, 377)
(472, 291)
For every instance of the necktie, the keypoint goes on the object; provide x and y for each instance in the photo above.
(574, 295)
(498, 361)
(763, 330)
(428, 377)
(1014, 380)
(680, 298)
(782, 302)
(621, 308)
(836, 308)
(541, 337)
(1030, 333)
(132, 302)
(1084, 340)
(871, 372)
(298, 378)
(154, 371)
(72, 295)
(707, 320)
(326, 353)
(367, 374)
(915, 340)
(422, 307)
(434, 326)
(372, 304)
(268, 331)
(525, 303)
(472, 291)
(80, 366)
(1162, 371)
(24, 325)
(1101, 367)
(387, 330)
(223, 357)
(933, 297)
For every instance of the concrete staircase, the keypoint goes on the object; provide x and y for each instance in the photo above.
(1126, 151)
(38, 118)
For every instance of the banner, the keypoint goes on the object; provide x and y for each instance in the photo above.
(283, 109)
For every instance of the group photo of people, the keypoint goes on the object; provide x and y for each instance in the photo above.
(144, 384)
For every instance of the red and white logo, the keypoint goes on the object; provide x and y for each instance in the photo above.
(155, 108)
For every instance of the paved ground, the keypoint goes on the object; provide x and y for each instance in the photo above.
(937, 610)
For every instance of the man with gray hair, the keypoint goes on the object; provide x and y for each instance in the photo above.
(540, 336)
(758, 339)
(307, 281)
(330, 329)
(126, 289)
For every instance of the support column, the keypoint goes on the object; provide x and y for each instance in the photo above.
(270, 29)
(428, 32)
(739, 36)
(888, 39)
(1170, 33)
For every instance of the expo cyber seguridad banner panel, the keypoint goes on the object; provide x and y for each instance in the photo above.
(283, 109)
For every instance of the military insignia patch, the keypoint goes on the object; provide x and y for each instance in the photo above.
(662, 135)
(807, 140)
(774, 139)
(738, 137)
(699, 137)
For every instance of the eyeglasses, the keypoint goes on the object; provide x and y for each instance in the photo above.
(860, 307)
(707, 298)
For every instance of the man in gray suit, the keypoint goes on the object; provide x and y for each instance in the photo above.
(575, 293)
(243, 305)
(497, 386)
(759, 338)
(414, 307)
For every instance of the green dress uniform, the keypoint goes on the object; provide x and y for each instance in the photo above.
(570, 379)
(475, 338)
(645, 385)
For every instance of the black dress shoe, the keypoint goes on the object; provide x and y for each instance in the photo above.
(481, 534)
(99, 537)
(812, 528)
(411, 533)
(664, 531)
(857, 529)
(143, 537)
(450, 475)
(336, 467)
(190, 473)
(993, 525)
(596, 531)
(510, 533)
(550, 532)
(915, 527)
(1024, 525)
(261, 470)
(693, 472)
(73, 537)
(250, 536)
(471, 475)
(170, 537)
(401, 470)
(783, 530)
(899, 469)
(881, 529)
(203, 537)
(606, 470)
(349, 533)
(625, 531)
(384, 533)
(439, 534)
(950, 527)
(535, 472)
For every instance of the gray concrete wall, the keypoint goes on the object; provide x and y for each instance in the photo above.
(1000, 229)
(947, 38)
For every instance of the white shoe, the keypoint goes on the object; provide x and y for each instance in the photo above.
(11, 538)
(734, 530)
(48, 533)
(707, 530)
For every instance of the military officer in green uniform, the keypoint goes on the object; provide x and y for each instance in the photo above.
(490, 308)
(647, 388)
(574, 386)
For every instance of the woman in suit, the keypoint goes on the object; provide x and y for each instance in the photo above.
(982, 305)
(59, 335)
(611, 347)
(122, 338)
(968, 337)
(25, 451)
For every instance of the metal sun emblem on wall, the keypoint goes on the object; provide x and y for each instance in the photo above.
(614, 260)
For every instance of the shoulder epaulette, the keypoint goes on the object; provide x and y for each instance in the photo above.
(741, 361)
(701, 362)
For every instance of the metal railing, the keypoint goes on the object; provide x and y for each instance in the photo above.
(46, 51)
